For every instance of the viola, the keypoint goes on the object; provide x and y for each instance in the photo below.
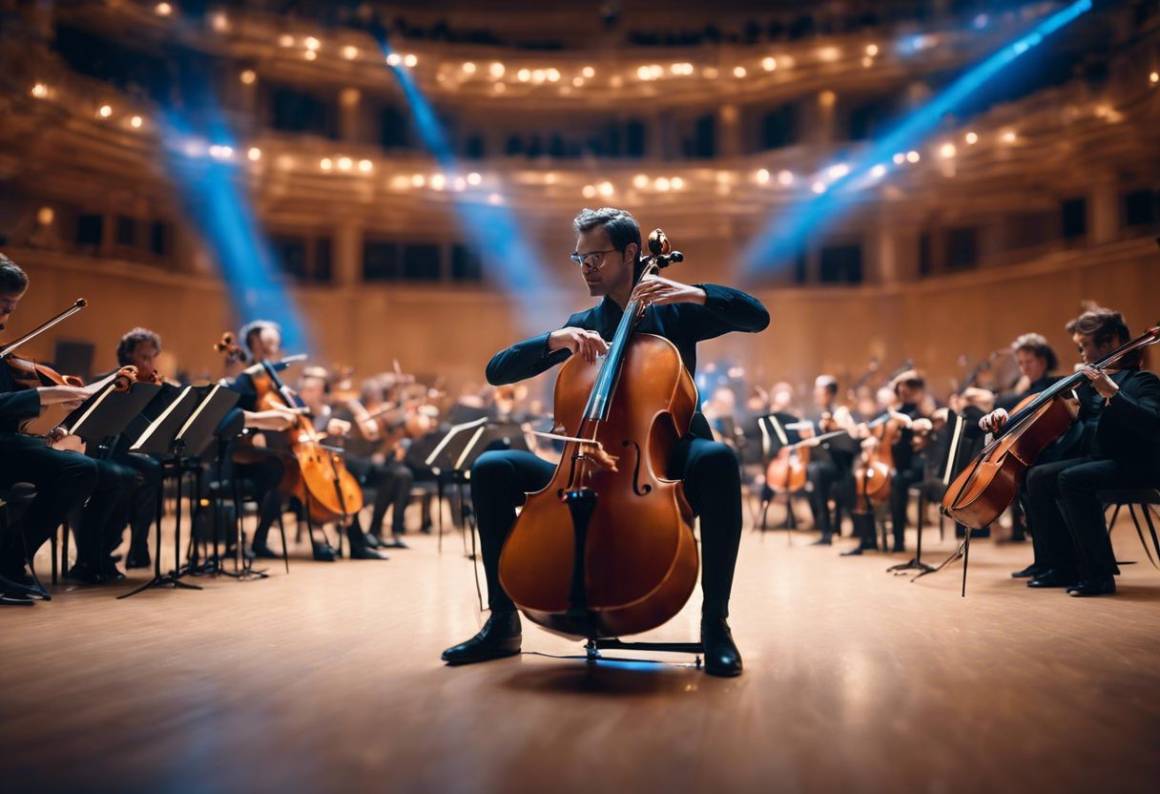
(607, 547)
(991, 481)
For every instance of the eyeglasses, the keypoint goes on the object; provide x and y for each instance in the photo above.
(593, 260)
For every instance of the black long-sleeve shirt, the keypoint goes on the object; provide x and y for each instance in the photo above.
(17, 404)
(684, 324)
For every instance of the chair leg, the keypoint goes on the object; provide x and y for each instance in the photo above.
(285, 550)
(52, 554)
(1115, 515)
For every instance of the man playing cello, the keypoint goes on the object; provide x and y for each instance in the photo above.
(608, 253)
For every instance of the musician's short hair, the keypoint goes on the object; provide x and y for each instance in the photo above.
(317, 373)
(251, 331)
(827, 382)
(130, 340)
(1037, 345)
(1104, 325)
(622, 228)
(13, 280)
(910, 378)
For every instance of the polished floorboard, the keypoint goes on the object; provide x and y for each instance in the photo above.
(328, 679)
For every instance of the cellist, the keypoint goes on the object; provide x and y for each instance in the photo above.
(608, 254)
(1114, 443)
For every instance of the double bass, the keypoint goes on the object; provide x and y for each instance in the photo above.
(607, 547)
(990, 482)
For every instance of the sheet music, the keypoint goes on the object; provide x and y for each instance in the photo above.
(197, 411)
(953, 452)
(454, 431)
(92, 407)
(469, 447)
(156, 423)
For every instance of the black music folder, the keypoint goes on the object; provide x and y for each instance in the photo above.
(108, 412)
(199, 430)
(158, 437)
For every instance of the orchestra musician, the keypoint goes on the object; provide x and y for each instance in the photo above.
(906, 396)
(608, 253)
(64, 478)
(314, 391)
(1114, 443)
(263, 466)
(828, 470)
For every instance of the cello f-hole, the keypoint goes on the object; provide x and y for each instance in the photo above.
(639, 490)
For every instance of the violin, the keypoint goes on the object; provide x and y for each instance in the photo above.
(607, 547)
(990, 482)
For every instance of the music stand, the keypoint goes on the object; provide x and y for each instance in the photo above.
(954, 465)
(442, 462)
(194, 439)
(160, 440)
(955, 427)
(778, 431)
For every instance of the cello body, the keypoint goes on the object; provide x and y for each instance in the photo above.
(314, 474)
(982, 491)
(630, 527)
(788, 471)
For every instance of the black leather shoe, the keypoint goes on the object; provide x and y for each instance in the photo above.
(138, 558)
(15, 600)
(374, 540)
(500, 636)
(857, 551)
(721, 655)
(823, 542)
(1032, 571)
(395, 543)
(366, 553)
(265, 553)
(23, 586)
(1096, 586)
(1053, 578)
(324, 552)
(85, 574)
(111, 573)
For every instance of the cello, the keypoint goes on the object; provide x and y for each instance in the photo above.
(990, 482)
(320, 480)
(607, 547)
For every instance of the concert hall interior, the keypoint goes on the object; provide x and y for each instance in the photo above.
(512, 396)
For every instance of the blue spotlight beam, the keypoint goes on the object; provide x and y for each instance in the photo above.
(492, 229)
(208, 182)
(785, 235)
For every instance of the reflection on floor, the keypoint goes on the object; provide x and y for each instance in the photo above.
(328, 679)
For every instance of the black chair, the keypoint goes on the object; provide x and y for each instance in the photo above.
(1147, 500)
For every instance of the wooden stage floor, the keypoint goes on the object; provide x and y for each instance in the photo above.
(328, 679)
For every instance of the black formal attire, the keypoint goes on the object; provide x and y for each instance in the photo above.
(390, 479)
(830, 470)
(263, 467)
(709, 469)
(1117, 445)
(63, 479)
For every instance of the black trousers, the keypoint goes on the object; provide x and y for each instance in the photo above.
(100, 522)
(1067, 516)
(63, 481)
(143, 499)
(900, 497)
(391, 481)
(712, 478)
(825, 476)
(264, 469)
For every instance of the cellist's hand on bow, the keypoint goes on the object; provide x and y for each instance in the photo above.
(658, 291)
(994, 421)
(1104, 385)
(581, 341)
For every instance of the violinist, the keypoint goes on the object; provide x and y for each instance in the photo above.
(608, 256)
(834, 466)
(139, 348)
(1114, 443)
(314, 391)
(64, 479)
